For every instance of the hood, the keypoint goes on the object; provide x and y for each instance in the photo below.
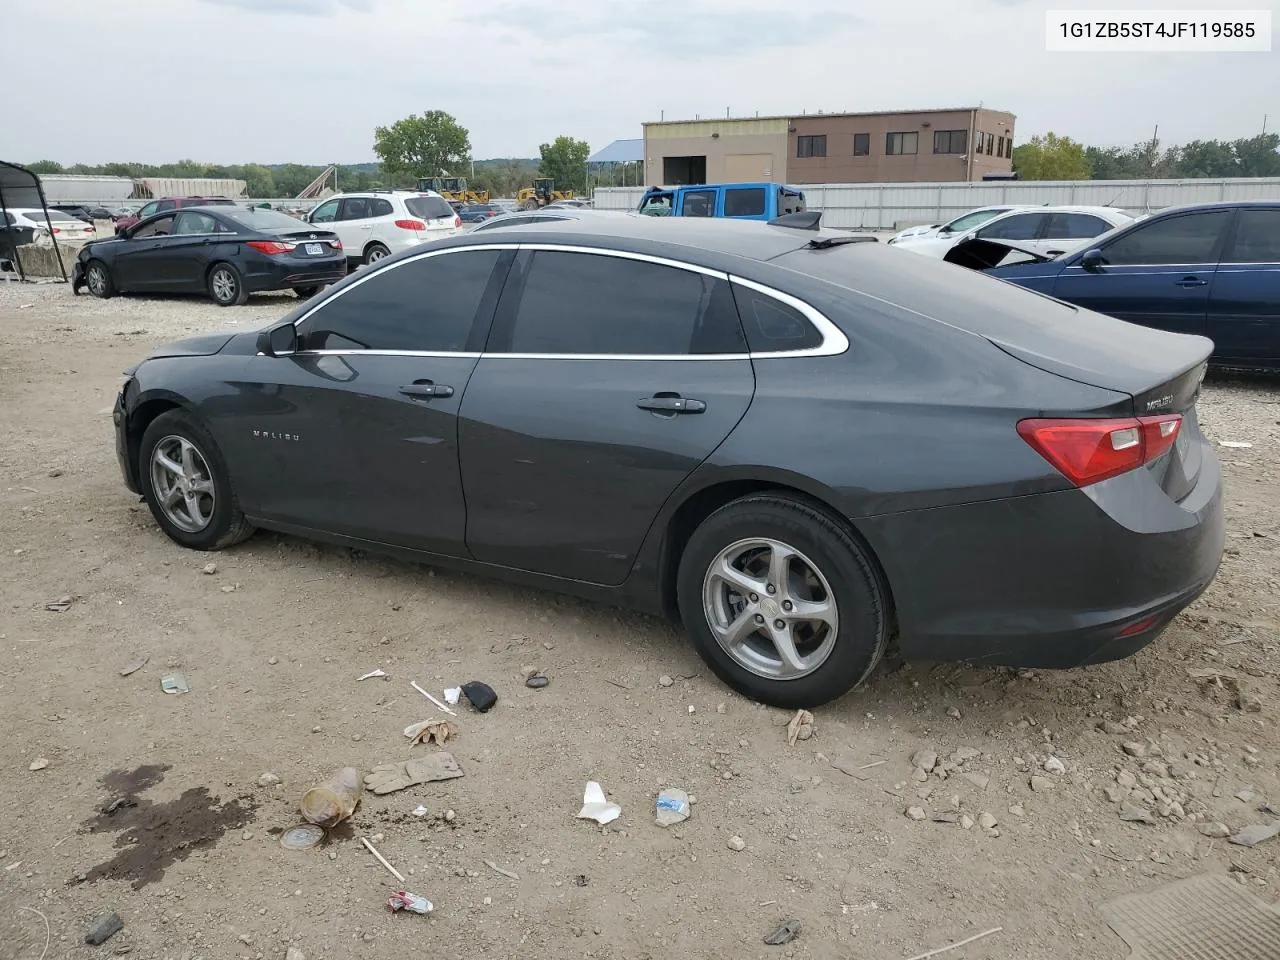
(205, 345)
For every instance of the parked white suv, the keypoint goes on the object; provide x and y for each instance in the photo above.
(378, 223)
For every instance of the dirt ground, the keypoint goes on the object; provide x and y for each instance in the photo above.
(271, 644)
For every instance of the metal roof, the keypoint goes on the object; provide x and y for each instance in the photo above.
(19, 187)
(620, 151)
(826, 114)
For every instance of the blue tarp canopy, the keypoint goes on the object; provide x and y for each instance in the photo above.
(620, 151)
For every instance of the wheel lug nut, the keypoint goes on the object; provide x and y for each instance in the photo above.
(779, 624)
(786, 604)
(771, 588)
(759, 618)
(755, 598)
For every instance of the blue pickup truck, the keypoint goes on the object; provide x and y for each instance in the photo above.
(740, 201)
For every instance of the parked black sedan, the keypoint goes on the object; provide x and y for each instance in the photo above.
(799, 444)
(226, 252)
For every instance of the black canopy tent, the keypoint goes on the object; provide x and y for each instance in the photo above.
(20, 189)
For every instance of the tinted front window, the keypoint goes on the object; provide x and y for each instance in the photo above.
(1074, 226)
(1257, 238)
(700, 203)
(1190, 238)
(576, 303)
(771, 325)
(326, 213)
(1023, 226)
(156, 228)
(428, 304)
(744, 202)
(429, 208)
(148, 210)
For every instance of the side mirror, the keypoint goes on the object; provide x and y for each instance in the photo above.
(279, 341)
(1092, 260)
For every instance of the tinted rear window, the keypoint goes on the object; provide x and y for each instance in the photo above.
(771, 325)
(429, 208)
(271, 221)
(212, 202)
(744, 202)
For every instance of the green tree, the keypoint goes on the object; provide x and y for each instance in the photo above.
(1051, 157)
(1206, 158)
(565, 161)
(430, 145)
(45, 166)
(1258, 156)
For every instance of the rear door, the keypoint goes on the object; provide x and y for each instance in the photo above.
(746, 203)
(697, 203)
(608, 378)
(353, 225)
(1244, 300)
(1157, 273)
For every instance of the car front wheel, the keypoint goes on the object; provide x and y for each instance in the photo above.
(782, 602)
(98, 279)
(185, 483)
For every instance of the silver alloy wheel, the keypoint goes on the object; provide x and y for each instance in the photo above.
(182, 484)
(97, 279)
(224, 285)
(376, 254)
(770, 608)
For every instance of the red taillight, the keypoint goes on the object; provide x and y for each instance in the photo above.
(55, 229)
(411, 225)
(457, 221)
(272, 247)
(1087, 451)
(335, 243)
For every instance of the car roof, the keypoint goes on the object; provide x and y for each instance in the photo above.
(382, 193)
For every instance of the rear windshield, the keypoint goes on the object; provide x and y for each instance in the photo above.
(429, 208)
(38, 215)
(214, 203)
(270, 220)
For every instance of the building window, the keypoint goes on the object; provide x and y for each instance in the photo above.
(901, 144)
(1000, 147)
(1008, 149)
(861, 144)
(991, 142)
(811, 146)
(949, 141)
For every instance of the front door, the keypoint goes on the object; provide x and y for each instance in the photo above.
(138, 262)
(1244, 302)
(607, 380)
(1157, 273)
(354, 225)
(356, 434)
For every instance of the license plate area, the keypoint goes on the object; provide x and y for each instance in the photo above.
(314, 249)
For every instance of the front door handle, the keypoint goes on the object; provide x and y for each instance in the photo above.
(1191, 282)
(425, 390)
(671, 404)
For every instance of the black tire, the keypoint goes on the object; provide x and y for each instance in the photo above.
(861, 597)
(226, 286)
(375, 252)
(306, 293)
(97, 277)
(529, 205)
(227, 524)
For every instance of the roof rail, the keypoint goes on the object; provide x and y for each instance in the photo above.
(804, 220)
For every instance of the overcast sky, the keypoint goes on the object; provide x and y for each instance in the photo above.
(229, 81)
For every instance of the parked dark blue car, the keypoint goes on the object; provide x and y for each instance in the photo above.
(1211, 269)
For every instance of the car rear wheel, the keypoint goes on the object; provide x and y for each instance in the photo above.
(306, 293)
(98, 279)
(782, 602)
(529, 205)
(375, 253)
(185, 483)
(226, 286)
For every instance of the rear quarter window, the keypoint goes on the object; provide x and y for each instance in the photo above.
(772, 326)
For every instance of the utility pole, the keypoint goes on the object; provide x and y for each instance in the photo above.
(1264, 124)
(1151, 152)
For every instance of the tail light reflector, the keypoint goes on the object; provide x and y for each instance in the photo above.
(411, 225)
(335, 243)
(1086, 451)
(457, 221)
(272, 247)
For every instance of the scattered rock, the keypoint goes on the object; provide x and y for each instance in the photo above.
(919, 775)
(953, 713)
(210, 568)
(986, 820)
(915, 813)
(103, 929)
(1017, 810)
(737, 843)
(536, 682)
(721, 708)
(665, 681)
(1136, 814)
(1113, 728)
(1041, 784)
(1115, 794)
(39, 763)
(1256, 833)
(528, 671)
(1248, 699)
(1156, 768)
(979, 780)
(947, 816)
(273, 660)
(785, 932)
(1054, 765)
(1245, 795)
(293, 953)
(479, 695)
(268, 780)
(1126, 779)
(228, 588)
(55, 473)
(1182, 771)
(966, 822)
(924, 760)
(1214, 830)
(1135, 749)
(965, 754)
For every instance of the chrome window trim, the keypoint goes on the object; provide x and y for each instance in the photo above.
(834, 341)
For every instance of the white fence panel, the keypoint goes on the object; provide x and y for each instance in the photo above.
(876, 206)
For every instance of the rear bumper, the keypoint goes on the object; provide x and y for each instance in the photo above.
(283, 274)
(1051, 580)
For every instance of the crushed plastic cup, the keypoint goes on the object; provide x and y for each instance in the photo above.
(333, 801)
(302, 837)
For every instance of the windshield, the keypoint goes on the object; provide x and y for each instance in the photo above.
(971, 220)
(429, 208)
(268, 220)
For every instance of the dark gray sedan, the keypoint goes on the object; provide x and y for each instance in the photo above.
(801, 446)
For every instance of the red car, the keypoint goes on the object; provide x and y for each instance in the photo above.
(168, 203)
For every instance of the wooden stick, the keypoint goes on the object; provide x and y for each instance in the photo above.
(414, 684)
(382, 860)
(961, 943)
(876, 763)
(497, 869)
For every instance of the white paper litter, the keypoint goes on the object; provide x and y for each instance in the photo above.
(1235, 444)
(452, 695)
(596, 807)
(373, 673)
(419, 811)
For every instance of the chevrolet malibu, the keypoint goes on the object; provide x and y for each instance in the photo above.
(802, 446)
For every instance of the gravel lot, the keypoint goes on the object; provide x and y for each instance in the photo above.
(273, 640)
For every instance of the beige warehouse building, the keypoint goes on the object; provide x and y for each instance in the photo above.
(890, 147)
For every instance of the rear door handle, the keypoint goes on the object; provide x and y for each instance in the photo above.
(1191, 282)
(671, 404)
(426, 390)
